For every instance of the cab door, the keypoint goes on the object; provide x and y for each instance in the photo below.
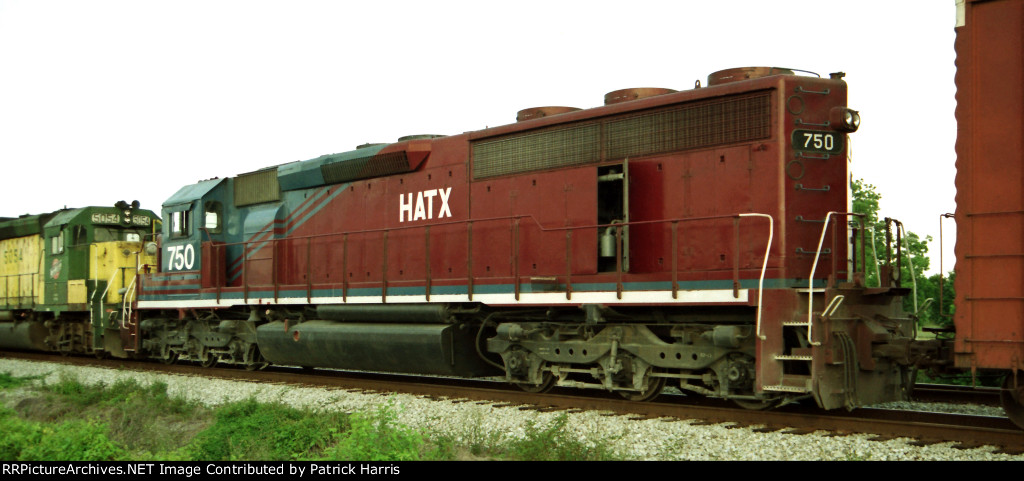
(213, 247)
(187, 223)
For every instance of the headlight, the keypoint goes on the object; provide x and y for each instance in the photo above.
(851, 119)
(844, 119)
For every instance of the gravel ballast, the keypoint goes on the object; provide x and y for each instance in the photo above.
(653, 439)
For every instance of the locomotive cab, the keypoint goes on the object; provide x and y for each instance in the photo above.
(194, 215)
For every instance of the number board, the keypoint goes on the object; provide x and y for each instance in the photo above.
(818, 141)
(99, 218)
(180, 257)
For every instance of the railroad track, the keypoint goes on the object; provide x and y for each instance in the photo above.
(924, 428)
(987, 396)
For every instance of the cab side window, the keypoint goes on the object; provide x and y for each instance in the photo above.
(57, 243)
(80, 236)
(181, 223)
(213, 217)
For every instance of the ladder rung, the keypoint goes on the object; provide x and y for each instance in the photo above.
(790, 357)
(781, 388)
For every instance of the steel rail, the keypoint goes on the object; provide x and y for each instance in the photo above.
(922, 428)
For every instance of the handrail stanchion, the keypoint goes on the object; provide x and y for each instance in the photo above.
(618, 261)
(832, 278)
(426, 249)
(309, 270)
(275, 247)
(810, 282)
(568, 264)
(675, 259)
(384, 271)
(469, 260)
(736, 258)
(764, 268)
(515, 257)
(344, 268)
(245, 272)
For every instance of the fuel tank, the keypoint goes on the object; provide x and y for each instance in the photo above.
(441, 349)
(23, 336)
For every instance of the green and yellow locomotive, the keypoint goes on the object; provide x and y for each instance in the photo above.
(65, 276)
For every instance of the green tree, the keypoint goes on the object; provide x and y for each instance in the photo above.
(914, 260)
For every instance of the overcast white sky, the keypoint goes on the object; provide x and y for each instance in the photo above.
(108, 100)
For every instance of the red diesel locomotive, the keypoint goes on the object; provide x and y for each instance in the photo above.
(699, 239)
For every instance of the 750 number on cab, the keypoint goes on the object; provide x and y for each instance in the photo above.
(181, 258)
(818, 141)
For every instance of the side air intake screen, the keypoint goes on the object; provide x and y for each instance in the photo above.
(257, 187)
(365, 167)
(687, 126)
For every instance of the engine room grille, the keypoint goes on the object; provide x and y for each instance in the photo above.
(257, 187)
(537, 151)
(687, 126)
(365, 167)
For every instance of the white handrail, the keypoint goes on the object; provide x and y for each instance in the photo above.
(102, 296)
(874, 253)
(126, 309)
(764, 267)
(129, 293)
(96, 278)
(810, 282)
(832, 306)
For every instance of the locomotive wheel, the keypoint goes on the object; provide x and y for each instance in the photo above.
(209, 361)
(545, 385)
(756, 405)
(1013, 399)
(171, 358)
(206, 359)
(256, 366)
(254, 353)
(654, 387)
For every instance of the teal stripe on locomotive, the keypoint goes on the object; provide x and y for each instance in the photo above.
(288, 224)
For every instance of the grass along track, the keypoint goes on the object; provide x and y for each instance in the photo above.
(925, 428)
